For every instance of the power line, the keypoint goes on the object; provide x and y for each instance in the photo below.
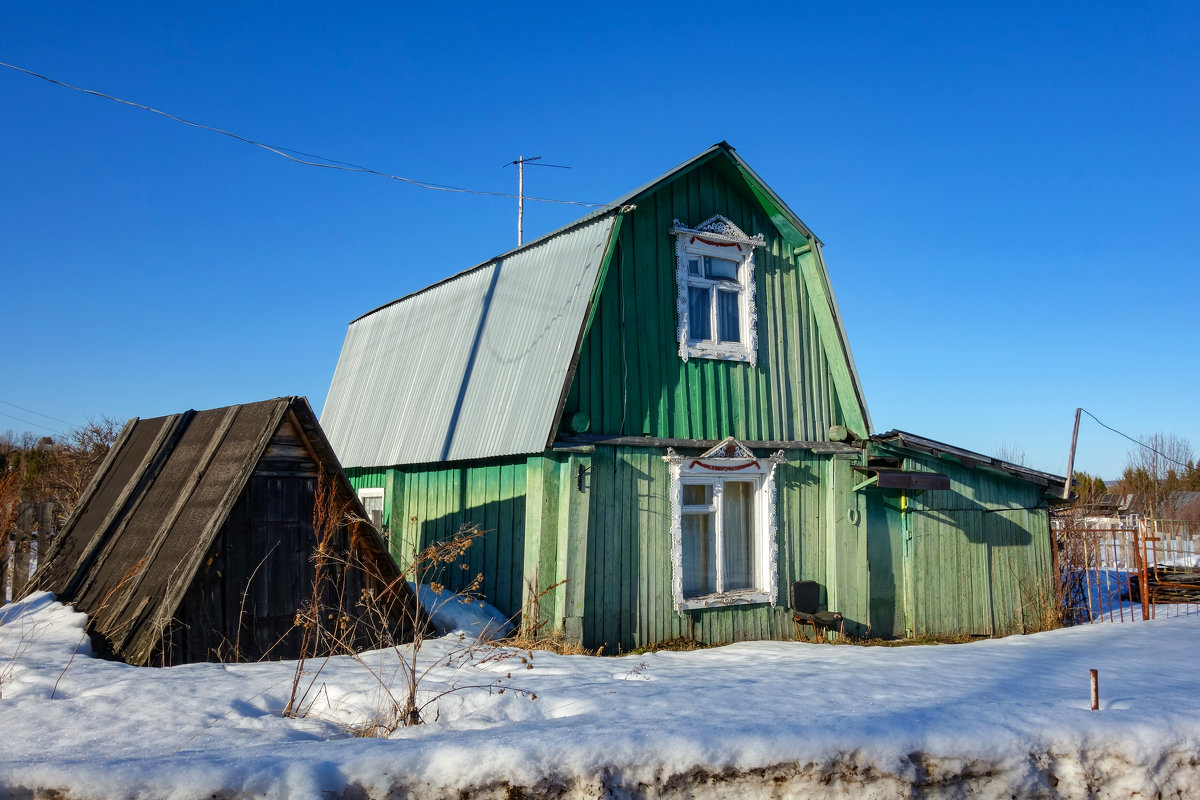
(31, 422)
(1135, 441)
(40, 414)
(325, 163)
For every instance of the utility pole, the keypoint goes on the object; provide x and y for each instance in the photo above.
(521, 162)
(1066, 495)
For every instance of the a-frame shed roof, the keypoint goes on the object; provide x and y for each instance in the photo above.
(477, 365)
(131, 548)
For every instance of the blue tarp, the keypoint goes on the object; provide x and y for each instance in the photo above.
(1097, 589)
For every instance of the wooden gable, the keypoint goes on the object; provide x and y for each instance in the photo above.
(631, 380)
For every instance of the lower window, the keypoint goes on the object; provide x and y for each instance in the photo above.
(372, 500)
(723, 528)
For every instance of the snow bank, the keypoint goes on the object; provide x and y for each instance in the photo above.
(992, 718)
(451, 613)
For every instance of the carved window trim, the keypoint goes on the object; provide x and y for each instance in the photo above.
(716, 237)
(728, 461)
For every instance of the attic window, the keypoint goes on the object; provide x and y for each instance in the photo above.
(715, 280)
(723, 548)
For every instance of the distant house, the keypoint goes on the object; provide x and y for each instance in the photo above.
(195, 541)
(655, 410)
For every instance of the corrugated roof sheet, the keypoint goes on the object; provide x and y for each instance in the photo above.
(471, 367)
(913, 442)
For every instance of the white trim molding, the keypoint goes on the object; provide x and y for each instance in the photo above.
(716, 239)
(728, 461)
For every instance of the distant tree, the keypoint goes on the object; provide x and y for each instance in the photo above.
(1191, 477)
(1157, 473)
(1012, 453)
(1089, 489)
(34, 470)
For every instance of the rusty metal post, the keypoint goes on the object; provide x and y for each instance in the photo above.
(1095, 675)
(1143, 567)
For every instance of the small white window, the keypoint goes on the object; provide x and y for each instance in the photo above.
(715, 278)
(372, 500)
(723, 527)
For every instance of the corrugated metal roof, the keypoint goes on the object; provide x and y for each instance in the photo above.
(920, 443)
(471, 367)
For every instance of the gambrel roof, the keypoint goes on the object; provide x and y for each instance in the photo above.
(479, 365)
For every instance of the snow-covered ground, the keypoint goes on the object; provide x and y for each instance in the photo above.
(999, 718)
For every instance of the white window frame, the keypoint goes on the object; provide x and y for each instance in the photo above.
(373, 492)
(727, 462)
(717, 237)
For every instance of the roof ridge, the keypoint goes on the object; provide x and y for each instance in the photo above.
(570, 227)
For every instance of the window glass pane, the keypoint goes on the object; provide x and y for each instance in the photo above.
(694, 266)
(728, 317)
(699, 313)
(374, 508)
(737, 533)
(720, 268)
(697, 494)
(699, 555)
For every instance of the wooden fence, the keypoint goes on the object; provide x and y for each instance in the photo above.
(1127, 568)
(33, 530)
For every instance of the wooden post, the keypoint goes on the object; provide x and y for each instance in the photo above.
(20, 548)
(1095, 676)
(1066, 495)
(46, 530)
(5, 560)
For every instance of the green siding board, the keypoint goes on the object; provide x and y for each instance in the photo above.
(517, 532)
(498, 549)
(640, 303)
(972, 561)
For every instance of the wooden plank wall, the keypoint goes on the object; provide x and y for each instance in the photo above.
(630, 379)
(980, 553)
(431, 503)
(627, 572)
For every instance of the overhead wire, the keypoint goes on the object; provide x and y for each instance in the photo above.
(1135, 441)
(39, 413)
(325, 163)
(31, 422)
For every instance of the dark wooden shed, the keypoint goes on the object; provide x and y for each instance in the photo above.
(197, 540)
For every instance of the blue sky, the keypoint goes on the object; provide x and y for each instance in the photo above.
(1009, 194)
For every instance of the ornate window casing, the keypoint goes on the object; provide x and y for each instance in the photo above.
(723, 545)
(715, 280)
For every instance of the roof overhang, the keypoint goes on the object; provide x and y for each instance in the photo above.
(903, 440)
(911, 480)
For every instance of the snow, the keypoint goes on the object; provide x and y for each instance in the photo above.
(453, 613)
(996, 717)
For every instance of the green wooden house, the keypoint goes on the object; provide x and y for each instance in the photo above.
(655, 410)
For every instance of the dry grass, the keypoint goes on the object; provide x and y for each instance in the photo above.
(553, 642)
(680, 644)
(1041, 609)
(962, 638)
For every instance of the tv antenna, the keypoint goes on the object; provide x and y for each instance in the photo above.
(521, 162)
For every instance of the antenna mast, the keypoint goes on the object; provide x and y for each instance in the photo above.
(521, 162)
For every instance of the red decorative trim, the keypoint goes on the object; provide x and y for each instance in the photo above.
(698, 463)
(711, 243)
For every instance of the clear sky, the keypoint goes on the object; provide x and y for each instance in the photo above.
(1009, 193)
